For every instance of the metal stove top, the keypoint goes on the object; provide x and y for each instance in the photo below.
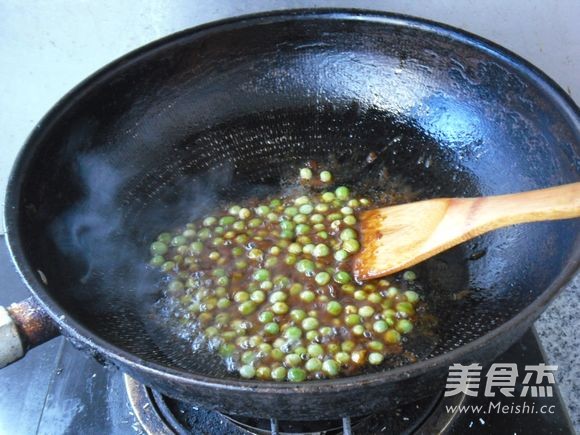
(57, 390)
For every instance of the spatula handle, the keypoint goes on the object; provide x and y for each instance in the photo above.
(561, 202)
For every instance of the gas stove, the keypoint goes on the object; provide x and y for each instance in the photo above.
(57, 390)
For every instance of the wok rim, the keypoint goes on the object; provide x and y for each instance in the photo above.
(74, 330)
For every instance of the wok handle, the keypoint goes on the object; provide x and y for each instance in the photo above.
(23, 325)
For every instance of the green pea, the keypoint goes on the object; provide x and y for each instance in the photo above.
(275, 202)
(158, 248)
(254, 223)
(311, 335)
(239, 225)
(392, 337)
(315, 350)
(380, 326)
(404, 326)
(178, 241)
(325, 331)
(293, 333)
(358, 329)
(227, 349)
(204, 234)
(310, 323)
(165, 238)
(277, 354)
(348, 288)
(248, 357)
(307, 296)
(244, 213)
(263, 372)
(352, 319)
(241, 264)
(308, 248)
(409, 275)
(287, 234)
(301, 200)
(290, 260)
(348, 346)
(168, 266)
(316, 218)
(411, 296)
(298, 315)
(278, 296)
(375, 358)
(291, 211)
(209, 221)
(295, 289)
(325, 177)
(157, 260)
(342, 193)
(320, 250)
(287, 225)
(306, 209)
(330, 367)
(261, 275)
(342, 357)
(322, 208)
(327, 197)
(313, 365)
(366, 311)
(351, 245)
(280, 308)
(265, 348)
(223, 303)
(175, 286)
(342, 277)
(295, 248)
(247, 371)
(255, 254)
(247, 308)
(302, 229)
(300, 351)
(279, 373)
(334, 308)
(234, 210)
(292, 360)
(305, 266)
(392, 292)
(271, 328)
(296, 374)
(275, 250)
(227, 220)
(340, 255)
(266, 316)
(306, 173)
(322, 278)
(405, 307)
(349, 220)
(262, 210)
(258, 296)
(348, 234)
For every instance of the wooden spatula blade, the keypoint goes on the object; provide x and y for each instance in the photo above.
(394, 238)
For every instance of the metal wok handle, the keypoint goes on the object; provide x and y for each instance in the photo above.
(23, 325)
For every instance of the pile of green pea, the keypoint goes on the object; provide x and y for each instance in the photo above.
(268, 283)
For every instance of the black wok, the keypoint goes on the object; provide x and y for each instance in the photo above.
(231, 108)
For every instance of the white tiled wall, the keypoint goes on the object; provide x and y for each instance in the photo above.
(46, 47)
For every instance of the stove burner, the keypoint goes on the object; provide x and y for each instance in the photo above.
(159, 414)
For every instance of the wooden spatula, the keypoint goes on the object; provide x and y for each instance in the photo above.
(397, 237)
